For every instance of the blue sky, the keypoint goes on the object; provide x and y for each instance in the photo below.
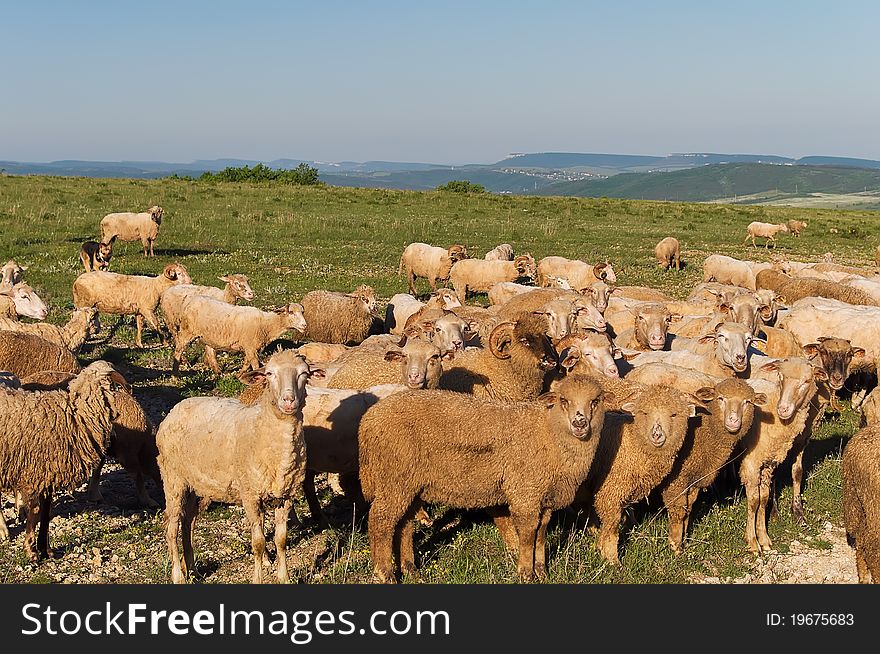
(444, 82)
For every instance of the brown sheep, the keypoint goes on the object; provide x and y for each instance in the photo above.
(521, 460)
(413, 362)
(796, 226)
(344, 318)
(638, 448)
(503, 252)
(861, 509)
(709, 442)
(430, 262)
(25, 354)
(668, 253)
(790, 290)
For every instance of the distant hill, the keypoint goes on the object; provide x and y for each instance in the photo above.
(717, 181)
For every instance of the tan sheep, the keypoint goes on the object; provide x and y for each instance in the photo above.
(414, 363)
(583, 306)
(764, 230)
(586, 353)
(430, 262)
(217, 449)
(129, 226)
(503, 252)
(727, 270)
(638, 448)
(21, 300)
(796, 226)
(791, 290)
(402, 305)
(650, 325)
(344, 318)
(861, 512)
(136, 295)
(523, 461)
(579, 273)
(51, 441)
(479, 275)
(321, 352)
(237, 287)
(668, 253)
(232, 328)
(71, 336)
(24, 354)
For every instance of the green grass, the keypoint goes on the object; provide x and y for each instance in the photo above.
(290, 240)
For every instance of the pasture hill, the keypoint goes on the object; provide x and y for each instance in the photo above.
(293, 239)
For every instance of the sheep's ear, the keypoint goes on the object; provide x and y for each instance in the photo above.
(724, 307)
(770, 366)
(549, 400)
(413, 331)
(609, 398)
(760, 399)
(674, 317)
(708, 338)
(627, 407)
(820, 374)
(616, 352)
(811, 349)
(705, 394)
(693, 403)
(253, 377)
(473, 325)
(317, 373)
(295, 307)
(394, 355)
(629, 355)
(225, 278)
(858, 352)
(569, 359)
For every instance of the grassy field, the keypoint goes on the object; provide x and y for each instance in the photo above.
(292, 240)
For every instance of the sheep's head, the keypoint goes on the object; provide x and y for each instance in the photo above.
(367, 297)
(284, 378)
(660, 417)
(736, 403)
(525, 342)
(419, 361)
(732, 342)
(589, 353)
(447, 298)
(587, 316)
(87, 316)
(177, 273)
(447, 331)
(651, 324)
(744, 309)
(156, 213)
(577, 407)
(797, 384)
(525, 266)
(11, 273)
(599, 293)
(457, 252)
(26, 301)
(559, 315)
(835, 356)
(295, 317)
(604, 271)
(769, 305)
(240, 284)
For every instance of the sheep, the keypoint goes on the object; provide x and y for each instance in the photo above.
(774, 434)
(129, 226)
(217, 449)
(71, 336)
(402, 305)
(764, 230)
(445, 329)
(171, 301)
(728, 357)
(708, 445)
(232, 328)
(779, 344)
(21, 300)
(430, 262)
(727, 270)
(95, 255)
(503, 291)
(588, 316)
(24, 354)
(321, 352)
(793, 289)
(796, 226)
(870, 408)
(51, 441)
(503, 252)
(650, 323)
(128, 294)
(579, 273)
(522, 460)
(713, 293)
(414, 363)
(586, 353)
(861, 488)
(11, 273)
(344, 318)
(513, 366)
(479, 275)
(869, 286)
(668, 253)
(637, 449)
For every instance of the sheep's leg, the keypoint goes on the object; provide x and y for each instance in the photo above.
(677, 262)
(797, 478)
(254, 514)
(281, 513)
(609, 534)
(4, 530)
(527, 525)
(541, 546)
(386, 513)
(678, 512)
(406, 547)
(190, 513)
(139, 321)
(174, 500)
(312, 498)
(862, 566)
(761, 521)
(250, 359)
(501, 517)
(351, 488)
(153, 321)
(94, 491)
(411, 281)
(45, 516)
(180, 345)
(32, 517)
(151, 247)
(142, 494)
(211, 359)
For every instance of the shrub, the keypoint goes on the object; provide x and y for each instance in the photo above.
(462, 186)
(303, 175)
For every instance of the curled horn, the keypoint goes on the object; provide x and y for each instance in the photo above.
(501, 332)
(599, 270)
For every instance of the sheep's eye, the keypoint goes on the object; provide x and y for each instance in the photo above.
(269, 373)
(563, 402)
(437, 329)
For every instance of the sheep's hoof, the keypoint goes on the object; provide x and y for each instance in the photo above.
(382, 576)
(540, 571)
(526, 576)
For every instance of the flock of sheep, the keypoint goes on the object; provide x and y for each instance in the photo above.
(567, 391)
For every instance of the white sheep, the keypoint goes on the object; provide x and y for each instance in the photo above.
(479, 275)
(21, 300)
(130, 226)
(237, 287)
(503, 252)
(764, 230)
(579, 273)
(430, 262)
